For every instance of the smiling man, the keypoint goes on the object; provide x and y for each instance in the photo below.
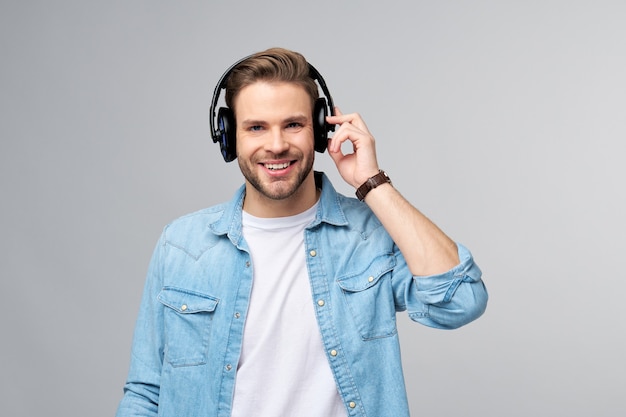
(282, 301)
(275, 148)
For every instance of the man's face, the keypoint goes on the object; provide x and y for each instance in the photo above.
(274, 138)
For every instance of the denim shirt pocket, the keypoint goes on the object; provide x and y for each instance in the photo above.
(187, 320)
(369, 296)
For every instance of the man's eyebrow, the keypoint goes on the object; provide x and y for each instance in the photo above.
(301, 118)
(251, 122)
(296, 118)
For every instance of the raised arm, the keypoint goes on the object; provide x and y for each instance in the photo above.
(426, 248)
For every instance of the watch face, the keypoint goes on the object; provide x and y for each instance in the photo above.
(371, 183)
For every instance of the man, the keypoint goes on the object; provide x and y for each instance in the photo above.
(282, 301)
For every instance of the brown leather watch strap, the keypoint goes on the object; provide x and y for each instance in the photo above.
(371, 183)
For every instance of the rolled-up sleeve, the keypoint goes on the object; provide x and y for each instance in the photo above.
(449, 300)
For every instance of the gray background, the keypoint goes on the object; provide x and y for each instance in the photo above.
(503, 121)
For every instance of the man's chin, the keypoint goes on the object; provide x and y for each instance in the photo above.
(277, 190)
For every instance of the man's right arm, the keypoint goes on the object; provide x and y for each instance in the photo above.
(141, 391)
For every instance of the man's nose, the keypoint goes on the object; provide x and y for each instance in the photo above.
(277, 142)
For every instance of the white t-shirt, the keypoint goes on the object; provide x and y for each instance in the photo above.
(283, 370)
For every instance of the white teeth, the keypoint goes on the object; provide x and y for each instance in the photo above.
(277, 166)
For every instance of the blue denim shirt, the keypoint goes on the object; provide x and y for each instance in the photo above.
(190, 326)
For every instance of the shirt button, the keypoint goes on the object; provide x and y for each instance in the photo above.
(247, 264)
(370, 279)
(313, 253)
(229, 367)
(333, 352)
(352, 404)
(237, 315)
(321, 303)
(183, 307)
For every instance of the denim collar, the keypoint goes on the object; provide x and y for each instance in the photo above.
(328, 210)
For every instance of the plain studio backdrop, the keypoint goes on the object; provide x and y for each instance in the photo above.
(503, 121)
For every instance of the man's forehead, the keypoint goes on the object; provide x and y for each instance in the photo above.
(266, 99)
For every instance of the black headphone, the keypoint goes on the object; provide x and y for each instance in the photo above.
(225, 131)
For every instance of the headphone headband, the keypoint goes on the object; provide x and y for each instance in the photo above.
(222, 122)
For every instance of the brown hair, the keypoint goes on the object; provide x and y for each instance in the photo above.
(271, 65)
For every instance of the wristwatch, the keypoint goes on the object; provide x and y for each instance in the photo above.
(371, 183)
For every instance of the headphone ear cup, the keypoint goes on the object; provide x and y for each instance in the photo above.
(228, 140)
(320, 129)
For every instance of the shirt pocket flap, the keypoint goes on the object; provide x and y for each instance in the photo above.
(369, 276)
(187, 301)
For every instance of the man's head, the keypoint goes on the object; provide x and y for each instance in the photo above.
(275, 147)
(272, 126)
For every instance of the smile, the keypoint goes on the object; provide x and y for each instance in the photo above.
(274, 167)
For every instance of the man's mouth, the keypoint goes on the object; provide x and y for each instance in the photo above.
(277, 167)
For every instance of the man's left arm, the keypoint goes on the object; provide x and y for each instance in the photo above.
(427, 250)
(448, 290)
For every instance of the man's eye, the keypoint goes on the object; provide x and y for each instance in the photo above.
(255, 128)
(294, 125)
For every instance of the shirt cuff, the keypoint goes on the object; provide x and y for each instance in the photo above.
(440, 288)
